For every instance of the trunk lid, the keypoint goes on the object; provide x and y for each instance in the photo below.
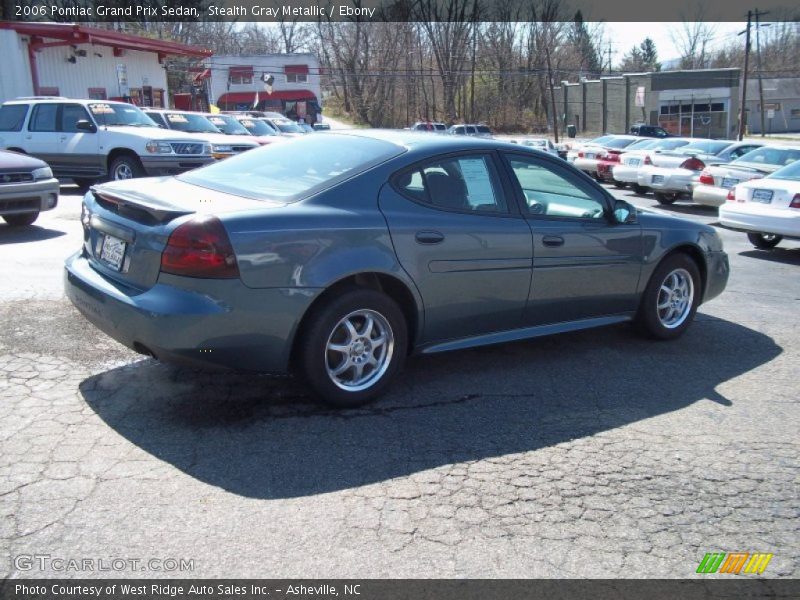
(127, 223)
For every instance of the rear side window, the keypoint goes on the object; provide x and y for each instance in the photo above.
(464, 183)
(484, 129)
(44, 117)
(12, 116)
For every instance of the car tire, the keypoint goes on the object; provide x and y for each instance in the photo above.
(640, 189)
(764, 241)
(671, 298)
(343, 365)
(22, 220)
(665, 198)
(83, 184)
(125, 167)
(620, 185)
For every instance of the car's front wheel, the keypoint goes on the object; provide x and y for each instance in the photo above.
(352, 346)
(640, 189)
(665, 198)
(671, 299)
(764, 241)
(125, 167)
(22, 220)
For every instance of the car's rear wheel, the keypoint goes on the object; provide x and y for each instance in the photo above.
(22, 220)
(125, 167)
(665, 198)
(671, 299)
(352, 346)
(764, 241)
(619, 184)
(640, 189)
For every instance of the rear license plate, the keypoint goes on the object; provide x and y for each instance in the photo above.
(728, 183)
(763, 196)
(634, 162)
(589, 155)
(112, 252)
(657, 179)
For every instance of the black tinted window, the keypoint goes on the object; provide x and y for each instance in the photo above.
(44, 117)
(12, 117)
(70, 116)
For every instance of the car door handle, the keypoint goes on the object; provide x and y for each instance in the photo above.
(553, 240)
(429, 237)
(62, 138)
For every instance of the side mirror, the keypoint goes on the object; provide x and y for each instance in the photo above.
(624, 213)
(84, 125)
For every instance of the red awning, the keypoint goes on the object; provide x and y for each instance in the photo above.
(295, 70)
(250, 97)
(240, 71)
(79, 34)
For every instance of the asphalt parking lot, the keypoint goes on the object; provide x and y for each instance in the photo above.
(593, 454)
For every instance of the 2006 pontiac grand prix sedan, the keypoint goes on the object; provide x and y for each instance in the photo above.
(336, 256)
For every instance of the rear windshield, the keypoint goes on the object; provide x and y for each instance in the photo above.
(643, 145)
(12, 116)
(706, 147)
(618, 143)
(791, 171)
(601, 140)
(669, 144)
(770, 156)
(294, 170)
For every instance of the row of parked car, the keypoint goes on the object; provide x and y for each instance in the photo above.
(756, 186)
(87, 141)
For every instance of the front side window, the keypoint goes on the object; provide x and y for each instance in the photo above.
(551, 191)
(44, 117)
(464, 183)
(12, 116)
(70, 115)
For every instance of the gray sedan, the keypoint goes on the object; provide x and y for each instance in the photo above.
(27, 187)
(336, 256)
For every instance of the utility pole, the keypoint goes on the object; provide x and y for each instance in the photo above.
(552, 93)
(743, 95)
(472, 68)
(758, 61)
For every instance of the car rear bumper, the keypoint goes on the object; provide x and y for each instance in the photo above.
(20, 198)
(587, 165)
(171, 165)
(672, 180)
(709, 195)
(202, 322)
(625, 173)
(760, 219)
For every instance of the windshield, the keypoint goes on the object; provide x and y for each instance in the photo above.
(287, 126)
(770, 156)
(190, 123)
(112, 114)
(706, 147)
(293, 170)
(228, 125)
(257, 127)
(791, 171)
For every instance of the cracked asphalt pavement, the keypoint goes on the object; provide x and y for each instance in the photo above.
(592, 454)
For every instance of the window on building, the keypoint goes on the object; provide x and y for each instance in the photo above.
(97, 93)
(241, 75)
(795, 113)
(718, 107)
(48, 91)
(296, 73)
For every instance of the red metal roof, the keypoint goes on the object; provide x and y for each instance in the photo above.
(296, 69)
(241, 70)
(80, 34)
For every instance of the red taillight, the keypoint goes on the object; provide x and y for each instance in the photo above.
(580, 154)
(706, 178)
(611, 157)
(693, 164)
(200, 248)
(795, 203)
(731, 194)
(647, 160)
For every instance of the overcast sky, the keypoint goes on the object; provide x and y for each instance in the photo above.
(626, 35)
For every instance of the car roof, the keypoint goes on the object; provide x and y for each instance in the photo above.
(61, 100)
(422, 141)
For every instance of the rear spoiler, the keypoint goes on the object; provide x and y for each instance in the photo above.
(136, 206)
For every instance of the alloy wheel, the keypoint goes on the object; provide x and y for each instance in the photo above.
(359, 350)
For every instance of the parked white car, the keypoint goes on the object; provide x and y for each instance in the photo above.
(542, 144)
(222, 145)
(588, 156)
(633, 159)
(89, 140)
(668, 183)
(767, 209)
(714, 183)
(577, 147)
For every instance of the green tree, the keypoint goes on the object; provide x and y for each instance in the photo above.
(583, 47)
(641, 58)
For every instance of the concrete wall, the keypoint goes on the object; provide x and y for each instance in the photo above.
(784, 96)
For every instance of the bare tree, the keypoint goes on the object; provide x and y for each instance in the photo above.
(693, 40)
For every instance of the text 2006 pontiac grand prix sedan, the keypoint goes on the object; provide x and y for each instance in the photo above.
(336, 256)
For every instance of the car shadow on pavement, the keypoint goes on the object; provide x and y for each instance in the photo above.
(261, 437)
(786, 256)
(32, 233)
(697, 210)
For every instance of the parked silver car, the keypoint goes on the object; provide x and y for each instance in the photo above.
(27, 187)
